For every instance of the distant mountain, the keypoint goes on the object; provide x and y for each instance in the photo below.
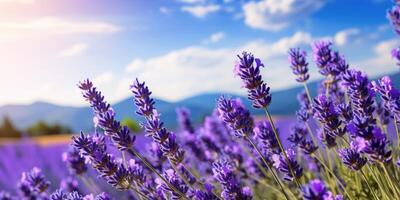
(284, 102)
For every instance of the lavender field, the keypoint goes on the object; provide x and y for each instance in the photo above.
(310, 116)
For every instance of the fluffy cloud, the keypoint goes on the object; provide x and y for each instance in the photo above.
(46, 26)
(215, 37)
(381, 59)
(73, 50)
(201, 11)
(342, 37)
(203, 69)
(275, 15)
(165, 10)
(103, 78)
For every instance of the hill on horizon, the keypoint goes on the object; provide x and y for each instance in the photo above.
(284, 102)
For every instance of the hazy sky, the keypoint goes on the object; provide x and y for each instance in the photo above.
(179, 47)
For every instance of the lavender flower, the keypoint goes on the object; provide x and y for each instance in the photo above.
(223, 173)
(184, 120)
(106, 116)
(263, 131)
(377, 148)
(303, 114)
(322, 56)
(236, 116)
(298, 134)
(75, 162)
(69, 185)
(396, 55)
(257, 90)
(281, 164)
(5, 196)
(390, 95)
(174, 179)
(308, 146)
(316, 190)
(394, 16)
(337, 64)
(153, 126)
(326, 114)
(58, 195)
(352, 158)
(35, 180)
(207, 194)
(299, 65)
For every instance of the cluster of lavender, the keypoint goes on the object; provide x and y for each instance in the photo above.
(339, 145)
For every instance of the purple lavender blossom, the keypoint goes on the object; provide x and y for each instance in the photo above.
(75, 162)
(57, 195)
(103, 196)
(308, 146)
(224, 174)
(378, 148)
(174, 179)
(5, 196)
(35, 180)
(394, 16)
(396, 55)
(106, 116)
(236, 116)
(352, 158)
(257, 90)
(153, 125)
(316, 190)
(298, 134)
(264, 133)
(304, 113)
(322, 54)
(69, 184)
(326, 114)
(338, 64)
(390, 96)
(281, 164)
(299, 65)
(184, 120)
(207, 194)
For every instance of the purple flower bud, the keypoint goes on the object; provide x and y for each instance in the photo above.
(257, 90)
(5, 196)
(390, 96)
(394, 16)
(352, 158)
(69, 185)
(298, 134)
(35, 180)
(236, 116)
(396, 55)
(326, 114)
(75, 162)
(322, 55)
(224, 174)
(174, 179)
(264, 133)
(58, 195)
(308, 146)
(281, 164)
(184, 120)
(299, 65)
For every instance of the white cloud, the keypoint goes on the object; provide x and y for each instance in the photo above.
(73, 50)
(342, 37)
(165, 10)
(205, 70)
(275, 15)
(50, 26)
(381, 62)
(18, 1)
(103, 79)
(201, 11)
(215, 37)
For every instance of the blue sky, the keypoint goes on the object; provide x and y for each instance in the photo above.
(179, 47)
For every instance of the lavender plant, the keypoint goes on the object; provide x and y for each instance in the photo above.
(234, 155)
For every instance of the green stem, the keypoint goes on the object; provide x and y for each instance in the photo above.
(390, 180)
(282, 149)
(307, 92)
(268, 165)
(369, 186)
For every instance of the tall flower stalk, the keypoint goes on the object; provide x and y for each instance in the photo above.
(248, 69)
